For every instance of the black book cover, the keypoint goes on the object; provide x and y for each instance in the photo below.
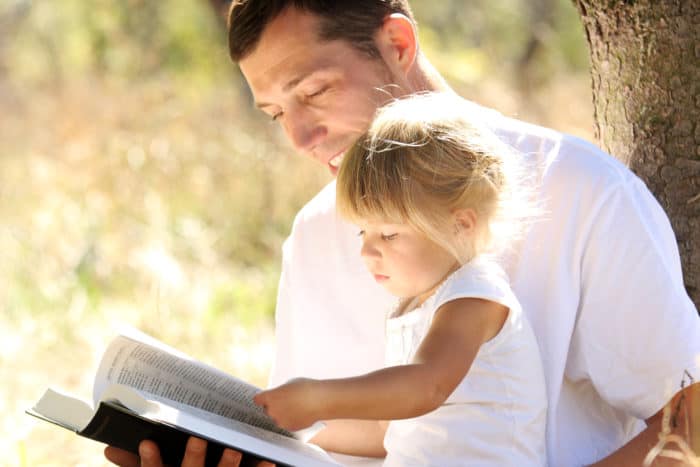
(118, 426)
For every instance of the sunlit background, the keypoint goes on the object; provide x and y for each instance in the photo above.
(138, 186)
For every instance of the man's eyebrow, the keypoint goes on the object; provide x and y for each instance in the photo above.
(289, 85)
(297, 80)
(261, 105)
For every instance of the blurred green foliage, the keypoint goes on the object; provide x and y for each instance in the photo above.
(498, 34)
(140, 99)
(125, 39)
(138, 185)
(130, 132)
(128, 39)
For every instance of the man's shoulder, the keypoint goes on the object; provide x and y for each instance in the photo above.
(560, 155)
(320, 209)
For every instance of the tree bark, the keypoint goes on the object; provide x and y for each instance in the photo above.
(645, 67)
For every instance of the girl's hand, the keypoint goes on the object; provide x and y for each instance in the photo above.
(294, 405)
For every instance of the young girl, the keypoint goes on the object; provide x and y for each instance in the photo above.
(432, 194)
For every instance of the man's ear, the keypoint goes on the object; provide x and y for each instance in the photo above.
(397, 42)
(465, 221)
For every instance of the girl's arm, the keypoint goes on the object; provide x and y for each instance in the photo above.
(355, 437)
(441, 361)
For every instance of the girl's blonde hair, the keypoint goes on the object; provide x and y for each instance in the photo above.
(423, 158)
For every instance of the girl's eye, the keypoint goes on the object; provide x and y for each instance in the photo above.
(361, 233)
(276, 116)
(389, 237)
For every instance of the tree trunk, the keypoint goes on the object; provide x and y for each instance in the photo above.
(645, 67)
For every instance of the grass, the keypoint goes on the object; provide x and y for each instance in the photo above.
(139, 205)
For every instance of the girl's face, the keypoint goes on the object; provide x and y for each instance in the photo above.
(403, 260)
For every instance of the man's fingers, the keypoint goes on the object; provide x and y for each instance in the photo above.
(150, 455)
(148, 450)
(195, 453)
(120, 457)
(249, 461)
(265, 464)
(230, 458)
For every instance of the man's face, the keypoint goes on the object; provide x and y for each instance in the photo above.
(323, 94)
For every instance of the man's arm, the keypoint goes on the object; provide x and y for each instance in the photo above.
(635, 451)
(637, 331)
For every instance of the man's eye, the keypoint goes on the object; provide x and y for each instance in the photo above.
(389, 237)
(276, 116)
(316, 93)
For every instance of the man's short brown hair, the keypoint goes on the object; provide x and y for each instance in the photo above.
(354, 21)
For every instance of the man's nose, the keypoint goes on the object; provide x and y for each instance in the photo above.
(304, 131)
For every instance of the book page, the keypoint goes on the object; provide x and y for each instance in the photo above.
(172, 377)
(74, 414)
(62, 409)
(258, 441)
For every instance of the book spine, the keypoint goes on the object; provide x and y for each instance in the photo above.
(119, 427)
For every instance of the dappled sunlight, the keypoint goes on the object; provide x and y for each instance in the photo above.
(109, 220)
(164, 268)
(138, 186)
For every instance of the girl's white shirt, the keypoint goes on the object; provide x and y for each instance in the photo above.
(496, 416)
(599, 278)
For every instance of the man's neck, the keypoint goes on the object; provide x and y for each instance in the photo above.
(425, 77)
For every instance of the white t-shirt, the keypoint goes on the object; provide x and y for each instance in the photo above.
(497, 415)
(599, 278)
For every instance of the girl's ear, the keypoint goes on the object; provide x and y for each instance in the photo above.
(397, 42)
(465, 221)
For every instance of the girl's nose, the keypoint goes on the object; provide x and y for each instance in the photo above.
(369, 251)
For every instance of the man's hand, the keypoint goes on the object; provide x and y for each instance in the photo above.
(635, 451)
(195, 452)
(294, 405)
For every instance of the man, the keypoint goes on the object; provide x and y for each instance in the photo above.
(599, 276)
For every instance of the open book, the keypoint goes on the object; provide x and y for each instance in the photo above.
(146, 390)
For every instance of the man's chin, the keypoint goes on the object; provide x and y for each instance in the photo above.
(334, 163)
